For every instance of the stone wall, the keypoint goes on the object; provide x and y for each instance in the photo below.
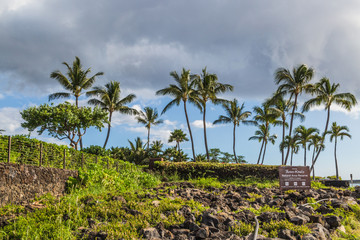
(21, 183)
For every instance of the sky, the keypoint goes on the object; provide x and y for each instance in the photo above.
(138, 43)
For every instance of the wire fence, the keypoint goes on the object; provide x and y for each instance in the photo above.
(23, 150)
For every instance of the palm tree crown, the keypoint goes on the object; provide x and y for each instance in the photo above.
(76, 80)
(110, 101)
(149, 117)
(178, 136)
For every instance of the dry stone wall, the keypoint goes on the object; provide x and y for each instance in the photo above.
(21, 183)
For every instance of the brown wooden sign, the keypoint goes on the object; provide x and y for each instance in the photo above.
(297, 178)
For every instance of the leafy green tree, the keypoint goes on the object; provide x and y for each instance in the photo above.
(96, 150)
(75, 82)
(183, 91)
(111, 101)
(263, 135)
(293, 83)
(267, 117)
(282, 107)
(235, 114)
(64, 121)
(172, 154)
(304, 135)
(208, 88)
(327, 94)
(178, 136)
(149, 117)
(338, 131)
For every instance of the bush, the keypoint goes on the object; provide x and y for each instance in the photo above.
(225, 171)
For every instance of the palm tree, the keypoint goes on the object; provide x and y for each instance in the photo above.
(326, 94)
(294, 84)
(149, 117)
(293, 144)
(208, 88)
(183, 91)
(266, 117)
(317, 143)
(305, 134)
(263, 135)
(178, 136)
(1, 131)
(282, 107)
(338, 131)
(235, 114)
(110, 101)
(75, 82)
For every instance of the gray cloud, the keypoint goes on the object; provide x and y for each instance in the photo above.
(139, 42)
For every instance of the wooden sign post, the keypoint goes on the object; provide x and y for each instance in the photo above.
(297, 178)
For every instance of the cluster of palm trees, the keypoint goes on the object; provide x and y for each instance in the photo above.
(199, 89)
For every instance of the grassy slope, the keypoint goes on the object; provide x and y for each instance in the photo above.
(103, 198)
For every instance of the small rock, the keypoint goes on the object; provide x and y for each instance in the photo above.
(333, 221)
(150, 232)
(202, 233)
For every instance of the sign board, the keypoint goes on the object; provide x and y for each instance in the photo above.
(297, 178)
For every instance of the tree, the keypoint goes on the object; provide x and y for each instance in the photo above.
(208, 88)
(294, 84)
(263, 135)
(338, 131)
(178, 136)
(110, 101)
(267, 118)
(304, 135)
(75, 82)
(183, 91)
(156, 149)
(316, 141)
(327, 94)
(137, 154)
(235, 114)
(293, 144)
(64, 121)
(1, 131)
(149, 117)
(282, 107)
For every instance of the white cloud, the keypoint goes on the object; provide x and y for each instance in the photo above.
(354, 113)
(10, 121)
(200, 124)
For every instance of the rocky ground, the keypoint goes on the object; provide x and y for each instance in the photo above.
(230, 205)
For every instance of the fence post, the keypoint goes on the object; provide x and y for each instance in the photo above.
(96, 159)
(64, 159)
(82, 160)
(40, 162)
(107, 163)
(117, 166)
(9, 149)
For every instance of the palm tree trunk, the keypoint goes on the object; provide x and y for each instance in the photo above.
(148, 145)
(191, 137)
(291, 158)
(263, 157)
(283, 138)
(336, 163)
(323, 139)
(291, 125)
(77, 105)
(234, 144)
(178, 145)
(312, 161)
(205, 139)
(305, 156)
(262, 145)
(108, 133)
